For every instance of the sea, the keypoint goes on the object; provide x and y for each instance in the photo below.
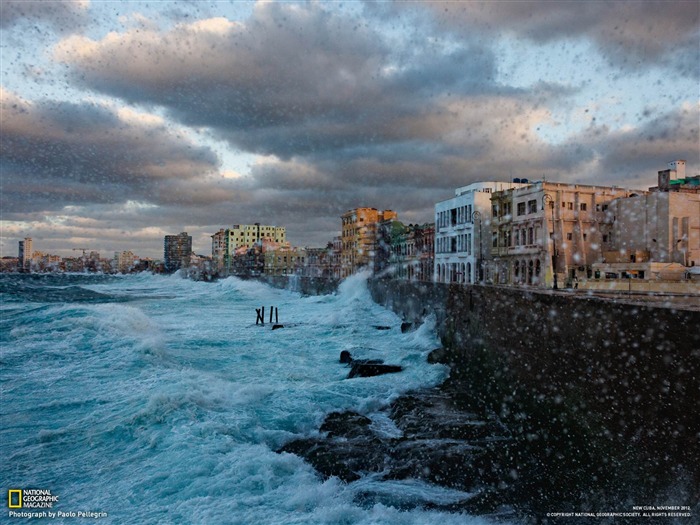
(157, 399)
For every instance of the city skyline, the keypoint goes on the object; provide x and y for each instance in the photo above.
(125, 122)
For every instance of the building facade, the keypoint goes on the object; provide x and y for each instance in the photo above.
(359, 238)
(26, 251)
(406, 252)
(284, 260)
(462, 232)
(226, 242)
(550, 234)
(176, 251)
(124, 261)
(655, 235)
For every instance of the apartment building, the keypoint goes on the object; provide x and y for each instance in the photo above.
(124, 261)
(226, 242)
(359, 238)
(549, 234)
(176, 251)
(656, 234)
(26, 251)
(284, 260)
(462, 232)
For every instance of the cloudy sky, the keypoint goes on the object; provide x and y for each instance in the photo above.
(126, 121)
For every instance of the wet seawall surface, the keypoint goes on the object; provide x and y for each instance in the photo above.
(601, 395)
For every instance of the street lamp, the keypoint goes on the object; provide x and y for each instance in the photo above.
(548, 198)
(477, 215)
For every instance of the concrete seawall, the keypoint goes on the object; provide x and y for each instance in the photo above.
(632, 370)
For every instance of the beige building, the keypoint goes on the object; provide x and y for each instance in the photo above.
(124, 261)
(359, 238)
(550, 234)
(655, 235)
(284, 260)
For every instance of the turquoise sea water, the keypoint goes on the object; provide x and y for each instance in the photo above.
(158, 400)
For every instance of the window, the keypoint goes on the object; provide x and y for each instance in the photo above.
(494, 211)
(605, 238)
(494, 240)
(530, 236)
(570, 205)
(585, 236)
(532, 206)
(569, 236)
(583, 206)
(521, 208)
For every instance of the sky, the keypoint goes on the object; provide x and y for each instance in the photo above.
(123, 122)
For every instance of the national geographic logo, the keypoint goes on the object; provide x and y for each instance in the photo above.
(30, 499)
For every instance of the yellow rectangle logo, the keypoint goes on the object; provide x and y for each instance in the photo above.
(17, 494)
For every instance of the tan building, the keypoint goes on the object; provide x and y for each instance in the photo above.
(284, 260)
(548, 233)
(124, 261)
(359, 238)
(655, 235)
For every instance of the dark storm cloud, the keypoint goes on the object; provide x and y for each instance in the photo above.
(637, 154)
(293, 80)
(628, 33)
(60, 153)
(62, 15)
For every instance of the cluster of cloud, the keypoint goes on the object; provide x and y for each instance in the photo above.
(341, 109)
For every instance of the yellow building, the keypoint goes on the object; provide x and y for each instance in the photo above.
(245, 235)
(226, 242)
(359, 238)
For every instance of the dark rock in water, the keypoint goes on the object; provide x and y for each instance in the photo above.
(381, 327)
(277, 326)
(346, 424)
(440, 443)
(406, 327)
(370, 369)
(346, 358)
(349, 450)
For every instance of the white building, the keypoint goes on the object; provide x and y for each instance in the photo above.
(462, 232)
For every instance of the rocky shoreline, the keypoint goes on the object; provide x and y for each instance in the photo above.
(513, 455)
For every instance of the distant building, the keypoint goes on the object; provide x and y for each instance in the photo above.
(547, 232)
(176, 251)
(284, 260)
(227, 241)
(359, 238)
(26, 252)
(318, 262)
(463, 232)
(124, 261)
(411, 251)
